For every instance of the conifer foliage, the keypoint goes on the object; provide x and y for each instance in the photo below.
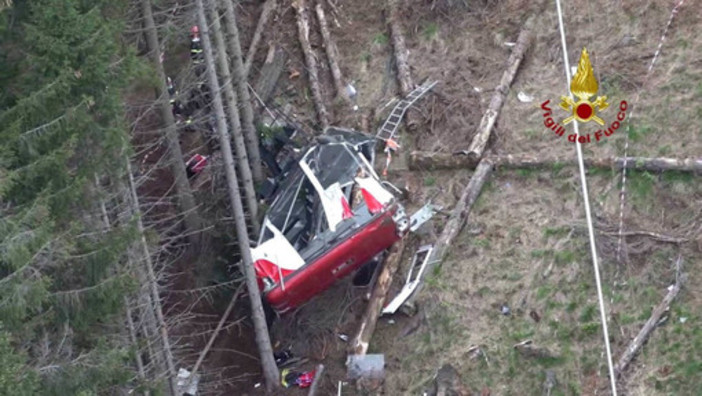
(62, 127)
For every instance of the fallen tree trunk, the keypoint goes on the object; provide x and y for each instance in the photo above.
(651, 323)
(400, 49)
(303, 29)
(332, 53)
(404, 77)
(457, 219)
(360, 342)
(268, 8)
(270, 73)
(317, 380)
(214, 335)
(422, 160)
(482, 136)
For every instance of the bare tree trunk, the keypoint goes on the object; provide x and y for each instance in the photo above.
(360, 342)
(422, 160)
(153, 285)
(303, 29)
(268, 8)
(245, 172)
(458, 218)
(270, 73)
(651, 323)
(193, 222)
(270, 371)
(135, 342)
(332, 53)
(482, 136)
(239, 75)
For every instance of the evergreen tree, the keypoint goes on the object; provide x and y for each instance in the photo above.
(62, 277)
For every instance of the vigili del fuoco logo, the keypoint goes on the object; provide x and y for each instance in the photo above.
(584, 86)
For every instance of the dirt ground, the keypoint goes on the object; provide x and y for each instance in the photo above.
(526, 244)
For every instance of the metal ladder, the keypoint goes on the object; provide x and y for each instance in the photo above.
(389, 127)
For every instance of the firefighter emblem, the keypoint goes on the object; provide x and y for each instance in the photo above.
(584, 86)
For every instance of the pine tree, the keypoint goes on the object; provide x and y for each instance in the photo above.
(62, 275)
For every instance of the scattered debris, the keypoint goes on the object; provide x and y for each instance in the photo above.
(281, 357)
(423, 215)
(195, 165)
(448, 382)
(301, 379)
(414, 276)
(524, 98)
(365, 366)
(528, 349)
(344, 337)
(504, 309)
(683, 319)
(185, 385)
(550, 382)
(534, 315)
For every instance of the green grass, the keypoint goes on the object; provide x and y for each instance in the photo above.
(429, 181)
(380, 39)
(430, 31)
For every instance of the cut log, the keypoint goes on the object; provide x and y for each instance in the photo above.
(359, 343)
(270, 73)
(457, 219)
(400, 49)
(651, 323)
(422, 160)
(404, 77)
(332, 53)
(303, 29)
(482, 135)
(268, 8)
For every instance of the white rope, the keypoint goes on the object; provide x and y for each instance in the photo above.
(588, 216)
(622, 193)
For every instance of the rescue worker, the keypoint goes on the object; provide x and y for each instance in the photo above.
(196, 46)
(179, 111)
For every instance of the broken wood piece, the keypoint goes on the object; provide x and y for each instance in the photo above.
(422, 160)
(528, 349)
(651, 323)
(303, 29)
(360, 342)
(317, 380)
(270, 73)
(332, 53)
(458, 218)
(268, 8)
(482, 135)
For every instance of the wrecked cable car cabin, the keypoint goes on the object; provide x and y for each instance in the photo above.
(330, 215)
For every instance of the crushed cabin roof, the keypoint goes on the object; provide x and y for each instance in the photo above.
(297, 209)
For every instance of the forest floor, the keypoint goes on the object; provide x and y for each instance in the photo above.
(526, 243)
